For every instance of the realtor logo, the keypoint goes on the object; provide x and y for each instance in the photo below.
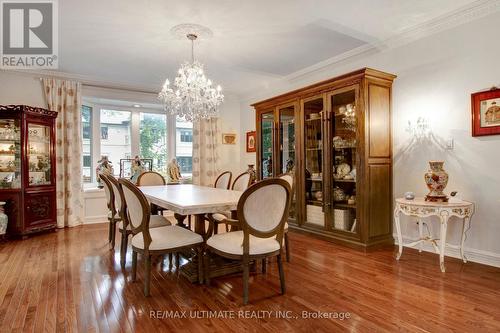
(29, 34)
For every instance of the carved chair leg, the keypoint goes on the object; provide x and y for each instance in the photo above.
(216, 227)
(134, 265)
(113, 234)
(287, 247)
(264, 265)
(206, 264)
(178, 261)
(200, 264)
(123, 250)
(109, 231)
(282, 274)
(246, 277)
(147, 274)
(170, 261)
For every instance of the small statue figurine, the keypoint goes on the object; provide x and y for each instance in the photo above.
(103, 167)
(136, 169)
(173, 171)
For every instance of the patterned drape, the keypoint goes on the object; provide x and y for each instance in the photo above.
(206, 141)
(65, 98)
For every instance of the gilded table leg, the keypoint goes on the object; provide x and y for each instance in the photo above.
(398, 231)
(442, 245)
(420, 234)
(466, 222)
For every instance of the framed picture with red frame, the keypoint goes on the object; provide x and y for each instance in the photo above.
(486, 112)
(251, 142)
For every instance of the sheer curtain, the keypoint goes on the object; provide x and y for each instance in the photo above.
(206, 141)
(65, 98)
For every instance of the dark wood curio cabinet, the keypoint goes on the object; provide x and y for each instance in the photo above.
(27, 168)
(335, 137)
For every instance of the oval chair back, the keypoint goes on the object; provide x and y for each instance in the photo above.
(110, 197)
(150, 178)
(118, 196)
(242, 182)
(263, 210)
(224, 180)
(138, 211)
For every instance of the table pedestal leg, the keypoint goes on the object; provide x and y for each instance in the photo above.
(420, 234)
(180, 220)
(398, 231)
(442, 245)
(466, 222)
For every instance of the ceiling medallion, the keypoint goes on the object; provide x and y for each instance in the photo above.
(192, 95)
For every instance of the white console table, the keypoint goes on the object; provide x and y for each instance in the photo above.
(420, 208)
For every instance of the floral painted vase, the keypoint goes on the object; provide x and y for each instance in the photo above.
(436, 179)
(3, 219)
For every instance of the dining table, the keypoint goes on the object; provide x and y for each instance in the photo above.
(188, 199)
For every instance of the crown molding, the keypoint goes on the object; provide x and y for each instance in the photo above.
(465, 14)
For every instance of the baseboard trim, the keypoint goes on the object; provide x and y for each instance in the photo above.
(473, 255)
(95, 219)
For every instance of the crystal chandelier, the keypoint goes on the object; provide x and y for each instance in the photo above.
(193, 96)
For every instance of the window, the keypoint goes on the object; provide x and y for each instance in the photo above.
(184, 146)
(186, 136)
(153, 140)
(121, 132)
(104, 132)
(87, 144)
(186, 164)
(115, 134)
(87, 161)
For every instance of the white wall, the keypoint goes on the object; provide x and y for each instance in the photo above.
(436, 76)
(229, 155)
(16, 88)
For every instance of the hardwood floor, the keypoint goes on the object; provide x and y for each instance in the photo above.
(69, 280)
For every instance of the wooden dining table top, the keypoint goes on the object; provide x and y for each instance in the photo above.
(188, 199)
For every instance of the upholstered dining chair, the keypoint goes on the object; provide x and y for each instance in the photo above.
(125, 229)
(158, 241)
(262, 213)
(113, 214)
(241, 183)
(152, 178)
(224, 180)
(290, 179)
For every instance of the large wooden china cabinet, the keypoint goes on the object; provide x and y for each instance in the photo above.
(27, 168)
(335, 137)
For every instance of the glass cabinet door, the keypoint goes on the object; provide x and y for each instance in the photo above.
(342, 126)
(313, 162)
(10, 154)
(267, 143)
(39, 159)
(286, 159)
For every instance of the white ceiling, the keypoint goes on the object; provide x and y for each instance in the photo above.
(127, 42)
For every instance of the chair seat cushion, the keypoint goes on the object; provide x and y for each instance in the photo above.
(232, 243)
(155, 221)
(165, 238)
(221, 216)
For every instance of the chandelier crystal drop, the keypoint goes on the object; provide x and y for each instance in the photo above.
(192, 96)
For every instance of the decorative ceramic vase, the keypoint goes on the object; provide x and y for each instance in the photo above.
(436, 179)
(253, 173)
(3, 219)
(319, 196)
